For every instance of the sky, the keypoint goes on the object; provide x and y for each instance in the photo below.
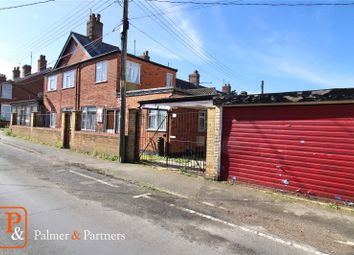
(290, 48)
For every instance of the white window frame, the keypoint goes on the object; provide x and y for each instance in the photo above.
(52, 79)
(101, 71)
(158, 116)
(169, 80)
(6, 91)
(202, 121)
(5, 114)
(68, 79)
(52, 119)
(133, 69)
(84, 116)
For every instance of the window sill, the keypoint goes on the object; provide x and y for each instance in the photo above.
(100, 82)
(155, 130)
(55, 90)
(68, 88)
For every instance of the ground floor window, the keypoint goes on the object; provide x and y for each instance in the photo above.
(5, 112)
(112, 121)
(52, 119)
(202, 121)
(157, 120)
(88, 118)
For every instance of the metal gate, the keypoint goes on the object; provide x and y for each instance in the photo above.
(172, 139)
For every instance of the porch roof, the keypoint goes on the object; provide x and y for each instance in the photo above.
(179, 102)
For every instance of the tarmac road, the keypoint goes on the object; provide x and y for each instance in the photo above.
(61, 198)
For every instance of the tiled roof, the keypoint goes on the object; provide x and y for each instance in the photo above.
(94, 48)
(182, 84)
(202, 91)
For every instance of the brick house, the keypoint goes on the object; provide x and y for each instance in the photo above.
(86, 78)
(24, 94)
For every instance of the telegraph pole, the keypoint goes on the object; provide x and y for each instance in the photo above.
(123, 81)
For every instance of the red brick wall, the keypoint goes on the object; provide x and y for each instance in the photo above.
(73, 56)
(28, 88)
(103, 95)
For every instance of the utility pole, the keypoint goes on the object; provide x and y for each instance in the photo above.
(123, 81)
(262, 87)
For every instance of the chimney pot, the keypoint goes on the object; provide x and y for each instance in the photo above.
(226, 88)
(42, 63)
(26, 70)
(2, 77)
(145, 55)
(94, 28)
(16, 73)
(195, 78)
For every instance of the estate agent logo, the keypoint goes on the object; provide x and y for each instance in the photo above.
(13, 227)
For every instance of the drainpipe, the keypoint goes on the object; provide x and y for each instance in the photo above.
(77, 90)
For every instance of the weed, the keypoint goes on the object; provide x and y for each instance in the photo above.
(334, 206)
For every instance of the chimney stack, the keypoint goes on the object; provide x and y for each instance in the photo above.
(2, 77)
(226, 88)
(42, 63)
(145, 55)
(26, 70)
(16, 73)
(194, 78)
(94, 29)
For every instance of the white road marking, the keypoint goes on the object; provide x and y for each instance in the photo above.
(212, 205)
(346, 242)
(93, 178)
(146, 195)
(270, 237)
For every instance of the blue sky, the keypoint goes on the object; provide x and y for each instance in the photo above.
(291, 48)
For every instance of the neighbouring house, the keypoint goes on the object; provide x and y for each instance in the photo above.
(5, 97)
(298, 141)
(27, 91)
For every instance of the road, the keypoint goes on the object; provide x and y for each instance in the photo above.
(61, 197)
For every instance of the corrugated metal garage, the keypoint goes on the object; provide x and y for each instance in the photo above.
(303, 148)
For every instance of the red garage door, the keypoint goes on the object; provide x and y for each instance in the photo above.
(309, 149)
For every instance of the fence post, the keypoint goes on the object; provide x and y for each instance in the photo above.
(75, 125)
(62, 128)
(32, 122)
(213, 143)
(131, 149)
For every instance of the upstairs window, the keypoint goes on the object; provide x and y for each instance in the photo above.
(101, 71)
(169, 80)
(6, 92)
(157, 120)
(68, 79)
(52, 83)
(133, 72)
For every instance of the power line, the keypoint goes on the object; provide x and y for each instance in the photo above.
(53, 32)
(62, 31)
(273, 4)
(24, 5)
(170, 27)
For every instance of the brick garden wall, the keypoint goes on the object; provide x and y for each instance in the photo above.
(91, 142)
(50, 136)
(23, 131)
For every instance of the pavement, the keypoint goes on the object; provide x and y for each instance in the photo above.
(183, 214)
